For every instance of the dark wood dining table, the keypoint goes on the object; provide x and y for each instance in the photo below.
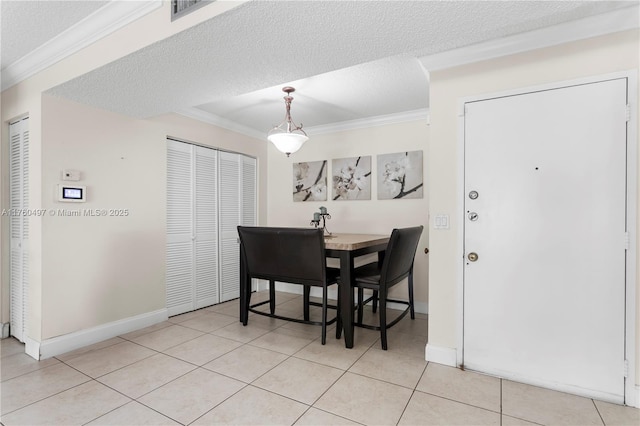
(347, 247)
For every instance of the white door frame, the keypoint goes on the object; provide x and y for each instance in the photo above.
(632, 392)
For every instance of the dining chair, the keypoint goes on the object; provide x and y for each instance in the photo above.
(289, 255)
(380, 277)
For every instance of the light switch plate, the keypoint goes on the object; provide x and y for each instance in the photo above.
(441, 221)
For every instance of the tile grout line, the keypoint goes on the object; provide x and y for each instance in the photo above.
(344, 372)
(463, 403)
(413, 391)
(598, 411)
(131, 399)
(197, 366)
(190, 371)
(218, 404)
(501, 408)
(405, 407)
(49, 396)
(30, 372)
(116, 390)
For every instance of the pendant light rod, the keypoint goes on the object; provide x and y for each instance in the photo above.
(291, 126)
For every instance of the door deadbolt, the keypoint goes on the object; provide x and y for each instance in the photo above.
(473, 216)
(472, 257)
(473, 195)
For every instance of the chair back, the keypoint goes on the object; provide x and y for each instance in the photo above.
(292, 255)
(399, 255)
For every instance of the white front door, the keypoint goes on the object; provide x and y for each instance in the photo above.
(545, 213)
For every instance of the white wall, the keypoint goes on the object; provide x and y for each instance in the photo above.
(25, 98)
(17, 104)
(596, 56)
(97, 270)
(358, 216)
(100, 269)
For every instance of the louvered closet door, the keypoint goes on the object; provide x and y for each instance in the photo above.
(19, 226)
(249, 206)
(209, 193)
(237, 207)
(206, 226)
(249, 192)
(230, 217)
(180, 256)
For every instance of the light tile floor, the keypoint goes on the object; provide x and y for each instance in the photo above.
(205, 368)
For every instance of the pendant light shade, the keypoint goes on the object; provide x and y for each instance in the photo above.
(287, 136)
(288, 142)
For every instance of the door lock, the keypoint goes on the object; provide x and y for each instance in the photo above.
(472, 257)
(473, 195)
(473, 216)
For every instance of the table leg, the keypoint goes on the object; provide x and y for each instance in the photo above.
(245, 290)
(346, 297)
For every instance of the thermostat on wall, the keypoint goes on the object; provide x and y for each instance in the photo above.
(72, 193)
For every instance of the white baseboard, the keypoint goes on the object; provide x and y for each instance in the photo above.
(4, 330)
(440, 355)
(69, 342)
(32, 347)
(632, 398)
(262, 285)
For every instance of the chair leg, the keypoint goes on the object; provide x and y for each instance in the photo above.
(375, 301)
(339, 320)
(306, 294)
(411, 308)
(324, 315)
(244, 310)
(360, 299)
(383, 320)
(272, 297)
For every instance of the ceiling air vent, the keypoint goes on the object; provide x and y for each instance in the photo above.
(180, 8)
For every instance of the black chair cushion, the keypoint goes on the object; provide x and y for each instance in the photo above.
(295, 255)
(369, 273)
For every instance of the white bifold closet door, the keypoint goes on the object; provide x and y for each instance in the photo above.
(207, 198)
(237, 207)
(19, 226)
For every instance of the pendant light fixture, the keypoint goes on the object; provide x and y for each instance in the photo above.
(287, 136)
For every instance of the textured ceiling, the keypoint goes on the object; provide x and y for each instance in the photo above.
(390, 85)
(25, 25)
(347, 59)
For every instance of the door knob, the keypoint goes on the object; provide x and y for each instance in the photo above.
(472, 257)
(473, 216)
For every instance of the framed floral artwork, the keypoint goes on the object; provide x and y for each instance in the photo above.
(310, 181)
(400, 175)
(351, 178)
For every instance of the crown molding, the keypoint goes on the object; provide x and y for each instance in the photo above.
(618, 20)
(106, 20)
(206, 117)
(380, 120)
